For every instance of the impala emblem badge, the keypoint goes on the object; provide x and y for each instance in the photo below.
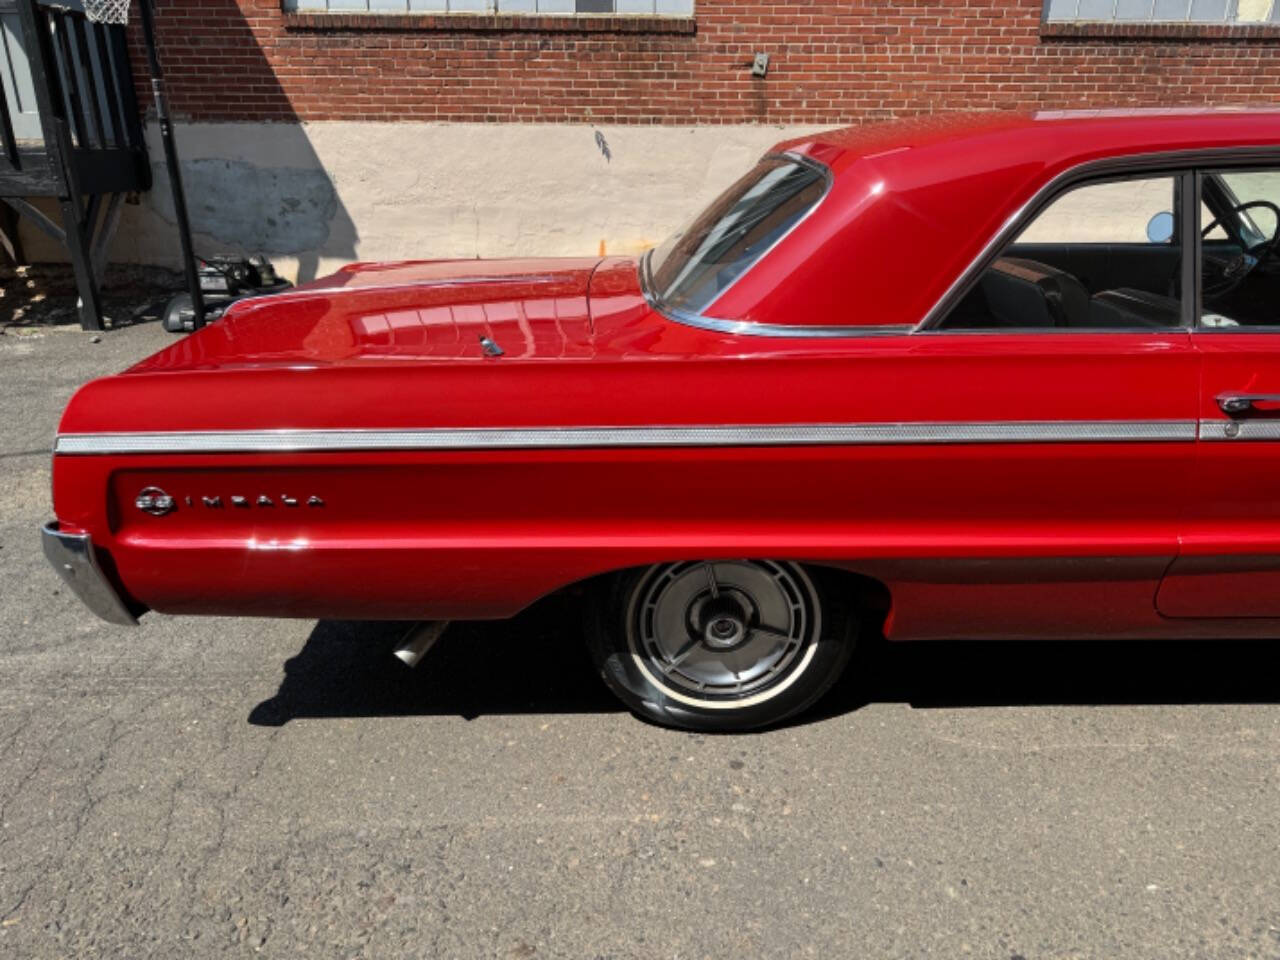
(154, 501)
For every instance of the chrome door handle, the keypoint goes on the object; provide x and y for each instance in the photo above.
(1243, 404)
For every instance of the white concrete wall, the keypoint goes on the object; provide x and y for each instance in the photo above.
(313, 196)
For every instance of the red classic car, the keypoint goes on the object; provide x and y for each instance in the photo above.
(989, 376)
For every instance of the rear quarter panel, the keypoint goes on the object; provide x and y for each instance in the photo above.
(483, 533)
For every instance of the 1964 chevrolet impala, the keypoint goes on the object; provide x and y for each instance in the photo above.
(998, 376)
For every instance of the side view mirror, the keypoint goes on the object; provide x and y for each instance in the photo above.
(1264, 218)
(1160, 227)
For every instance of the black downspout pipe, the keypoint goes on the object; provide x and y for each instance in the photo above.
(171, 160)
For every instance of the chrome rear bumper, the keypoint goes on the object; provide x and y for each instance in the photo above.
(72, 555)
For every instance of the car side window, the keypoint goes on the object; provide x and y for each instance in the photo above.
(1239, 260)
(1102, 256)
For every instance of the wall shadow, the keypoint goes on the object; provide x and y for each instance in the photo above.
(253, 180)
(538, 663)
(253, 185)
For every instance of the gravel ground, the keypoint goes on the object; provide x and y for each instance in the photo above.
(201, 788)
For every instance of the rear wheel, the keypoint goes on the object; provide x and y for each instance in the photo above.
(720, 645)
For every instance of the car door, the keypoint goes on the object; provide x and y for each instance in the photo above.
(1229, 563)
(1069, 525)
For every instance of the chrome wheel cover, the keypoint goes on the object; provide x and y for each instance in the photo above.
(723, 634)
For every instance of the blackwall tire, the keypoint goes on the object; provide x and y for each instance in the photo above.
(720, 645)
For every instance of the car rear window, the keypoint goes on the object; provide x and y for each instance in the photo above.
(697, 264)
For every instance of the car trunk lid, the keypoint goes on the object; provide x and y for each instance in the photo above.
(395, 312)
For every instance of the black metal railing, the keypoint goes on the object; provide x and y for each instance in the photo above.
(81, 79)
(88, 57)
(91, 151)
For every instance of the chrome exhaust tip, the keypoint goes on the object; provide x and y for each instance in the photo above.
(413, 646)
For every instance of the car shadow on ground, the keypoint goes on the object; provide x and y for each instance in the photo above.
(538, 663)
(969, 673)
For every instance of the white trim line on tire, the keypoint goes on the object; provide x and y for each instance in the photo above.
(751, 701)
(761, 697)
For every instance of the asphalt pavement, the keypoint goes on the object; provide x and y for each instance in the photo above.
(208, 787)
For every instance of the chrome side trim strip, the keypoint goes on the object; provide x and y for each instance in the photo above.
(532, 438)
(73, 556)
(1230, 430)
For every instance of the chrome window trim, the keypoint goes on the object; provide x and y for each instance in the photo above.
(538, 438)
(749, 328)
(828, 181)
(743, 327)
(1270, 329)
(1166, 162)
(1178, 331)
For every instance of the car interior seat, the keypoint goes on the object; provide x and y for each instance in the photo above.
(1026, 293)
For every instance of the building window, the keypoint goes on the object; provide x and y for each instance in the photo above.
(1229, 12)
(678, 8)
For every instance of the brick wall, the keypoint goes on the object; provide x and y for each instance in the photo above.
(832, 62)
